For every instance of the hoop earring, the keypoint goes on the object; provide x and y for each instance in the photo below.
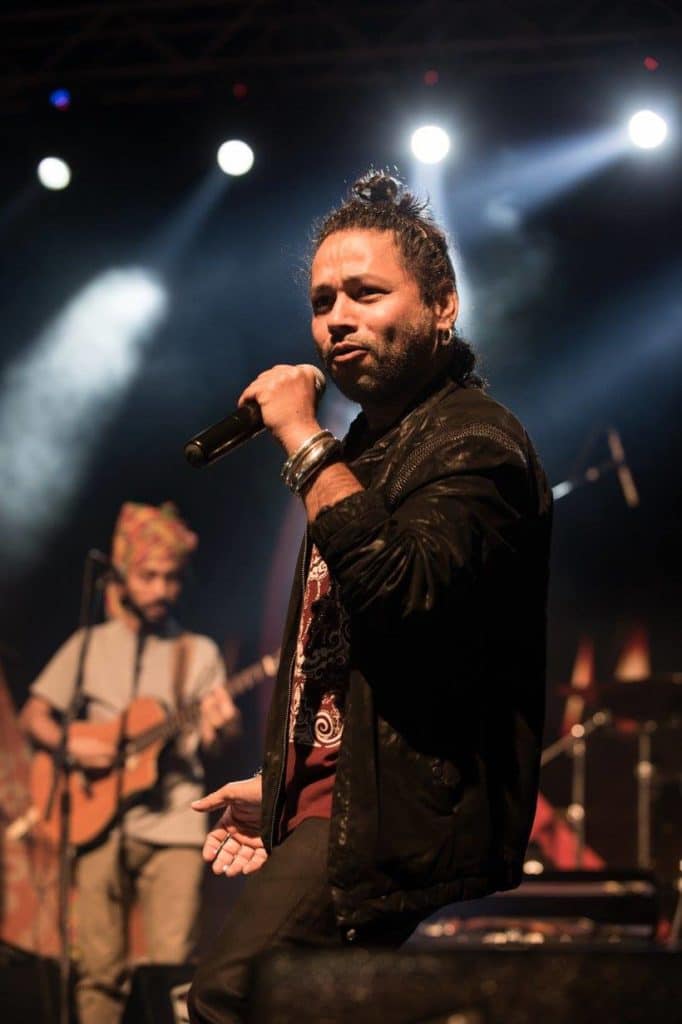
(446, 337)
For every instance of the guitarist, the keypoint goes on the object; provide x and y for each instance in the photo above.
(154, 849)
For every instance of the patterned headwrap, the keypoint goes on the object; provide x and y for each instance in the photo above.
(142, 532)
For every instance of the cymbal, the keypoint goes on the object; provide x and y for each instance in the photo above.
(592, 689)
(655, 698)
(588, 693)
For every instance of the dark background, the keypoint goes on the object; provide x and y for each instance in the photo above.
(576, 311)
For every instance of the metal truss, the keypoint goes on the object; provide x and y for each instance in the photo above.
(147, 49)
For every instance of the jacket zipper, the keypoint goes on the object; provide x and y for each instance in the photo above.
(429, 446)
(292, 665)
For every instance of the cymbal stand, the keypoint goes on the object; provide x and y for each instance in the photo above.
(575, 744)
(676, 925)
(644, 773)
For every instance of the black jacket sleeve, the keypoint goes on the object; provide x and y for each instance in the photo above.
(401, 552)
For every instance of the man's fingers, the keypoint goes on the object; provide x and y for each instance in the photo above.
(230, 851)
(248, 790)
(213, 843)
(257, 861)
(252, 840)
(213, 801)
(223, 845)
(247, 860)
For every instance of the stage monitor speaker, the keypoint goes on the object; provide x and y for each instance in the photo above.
(469, 986)
(563, 906)
(29, 987)
(158, 994)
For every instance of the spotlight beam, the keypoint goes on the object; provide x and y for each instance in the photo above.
(56, 399)
(525, 179)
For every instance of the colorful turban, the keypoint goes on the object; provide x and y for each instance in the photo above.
(145, 531)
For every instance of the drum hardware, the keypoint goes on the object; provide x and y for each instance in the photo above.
(574, 743)
(647, 704)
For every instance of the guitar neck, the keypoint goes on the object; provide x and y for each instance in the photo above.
(188, 714)
(249, 677)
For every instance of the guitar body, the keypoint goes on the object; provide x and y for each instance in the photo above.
(96, 797)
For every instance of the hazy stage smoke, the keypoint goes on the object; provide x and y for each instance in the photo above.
(55, 399)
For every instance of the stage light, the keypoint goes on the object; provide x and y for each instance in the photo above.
(647, 129)
(54, 173)
(235, 157)
(61, 99)
(430, 144)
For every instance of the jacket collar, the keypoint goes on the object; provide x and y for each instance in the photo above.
(361, 441)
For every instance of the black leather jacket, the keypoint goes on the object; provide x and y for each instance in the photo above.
(442, 564)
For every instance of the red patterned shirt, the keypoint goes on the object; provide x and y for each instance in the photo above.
(318, 693)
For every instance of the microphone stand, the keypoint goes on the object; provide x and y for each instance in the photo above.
(590, 476)
(616, 464)
(61, 789)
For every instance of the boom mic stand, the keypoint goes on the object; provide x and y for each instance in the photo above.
(616, 464)
(61, 783)
(575, 742)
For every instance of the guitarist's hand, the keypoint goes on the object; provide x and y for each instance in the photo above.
(91, 752)
(219, 715)
(234, 846)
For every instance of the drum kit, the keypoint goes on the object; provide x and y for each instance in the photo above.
(634, 701)
(640, 707)
(580, 903)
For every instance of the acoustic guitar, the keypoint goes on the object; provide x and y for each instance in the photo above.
(140, 733)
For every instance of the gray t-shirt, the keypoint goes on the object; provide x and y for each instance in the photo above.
(162, 815)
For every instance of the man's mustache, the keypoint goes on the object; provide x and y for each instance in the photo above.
(345, 346)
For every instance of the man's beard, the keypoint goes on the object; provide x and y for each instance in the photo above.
(404, 369)
(142, 612)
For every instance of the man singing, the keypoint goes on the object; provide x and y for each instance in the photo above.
(401, 758)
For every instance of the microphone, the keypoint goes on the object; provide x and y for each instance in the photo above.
(240, 426)
(111, 573)
(627, 484)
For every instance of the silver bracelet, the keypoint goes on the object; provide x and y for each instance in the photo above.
(302, 451)
(309, 459)
(316, 461)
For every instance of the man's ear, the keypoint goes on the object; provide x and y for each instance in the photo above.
(447, 309)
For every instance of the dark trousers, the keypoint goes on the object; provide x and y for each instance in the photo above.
(287, 903)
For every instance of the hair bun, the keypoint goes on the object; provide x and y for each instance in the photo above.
(377, 187)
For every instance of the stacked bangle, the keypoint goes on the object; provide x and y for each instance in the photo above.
(318, 451)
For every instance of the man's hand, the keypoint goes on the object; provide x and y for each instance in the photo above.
(234, 846)
(287, 397)
(218, 715)
(91, 752)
